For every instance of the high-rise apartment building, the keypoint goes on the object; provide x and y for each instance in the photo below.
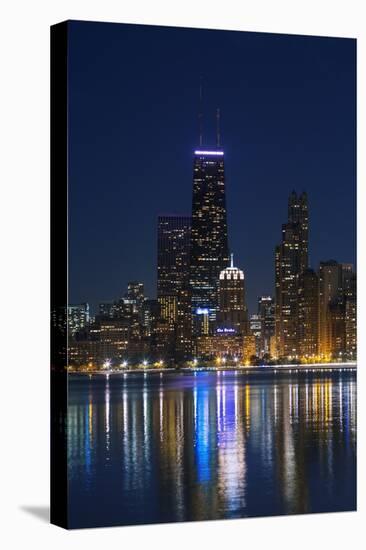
(330, 292)
(291, 259)
(308, 314)
(266, 313)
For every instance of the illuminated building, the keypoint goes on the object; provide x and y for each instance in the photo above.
(209, 238)
(232, 309)
(114, 336)
(150, 315)
(330, 291)
(273, 347)
(173, 277)
(249, 348)
(106, 309)
(135, 294)
(266, 313)
(308, 312)
(351, 328)
(255, 330)
(220, 345)
(291, 259)
(337, 310)
(77, 317)
(350, 310)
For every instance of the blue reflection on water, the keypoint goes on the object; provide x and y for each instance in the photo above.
(184, 447)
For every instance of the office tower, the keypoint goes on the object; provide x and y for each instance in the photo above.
(351, 319)
(255, 330)
(135, 294)
(330, 292)
(291, 259)
(232, 312)
(150, 315)
(308, 312)
(209, 238)
(337, 310)
(174, 233)
(266, 312)
(77, 318)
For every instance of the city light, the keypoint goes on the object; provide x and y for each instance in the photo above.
(214, 153)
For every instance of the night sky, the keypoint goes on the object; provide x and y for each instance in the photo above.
(287, 122)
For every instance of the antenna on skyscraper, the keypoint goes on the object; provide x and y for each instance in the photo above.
(200, 114)
(217, 127)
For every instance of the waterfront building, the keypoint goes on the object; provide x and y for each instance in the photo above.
(209, 252)
(232, 312)
(291, 259)
(308, 312)
(330, 292)
(163, 340)
(266, 313)
(174, 236)
(249, 348)
(222, 346)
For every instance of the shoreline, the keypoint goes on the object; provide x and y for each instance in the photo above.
(265, 369)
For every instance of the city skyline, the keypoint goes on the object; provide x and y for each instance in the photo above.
(113, 236)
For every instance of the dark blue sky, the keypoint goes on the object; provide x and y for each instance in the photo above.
(288, 122)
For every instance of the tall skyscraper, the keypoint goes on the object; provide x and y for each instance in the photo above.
(330, 292)
(291, 259)
(232, 313)
(337, 310)
(174, 237)
(308, 312)
(209, 235)
(351, 318)
(266, 312)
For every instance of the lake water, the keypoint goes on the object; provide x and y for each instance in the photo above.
(183, 447)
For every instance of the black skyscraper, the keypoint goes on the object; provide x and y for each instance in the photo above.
(209, 238)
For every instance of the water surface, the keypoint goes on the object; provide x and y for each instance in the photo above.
(183, 447)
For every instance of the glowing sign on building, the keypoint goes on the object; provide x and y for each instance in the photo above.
(225, 330)
(202, 311)
(215, 153)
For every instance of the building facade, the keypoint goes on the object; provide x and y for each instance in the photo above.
(232, 313)
(291, 259)
(174, 239)
(266, 313)
(209, 236)
(308, 311)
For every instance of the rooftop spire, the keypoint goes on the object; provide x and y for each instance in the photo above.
(218, 127)
(231, 260)
(200, 115)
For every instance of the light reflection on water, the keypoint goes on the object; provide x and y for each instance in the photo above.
(184, 447)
